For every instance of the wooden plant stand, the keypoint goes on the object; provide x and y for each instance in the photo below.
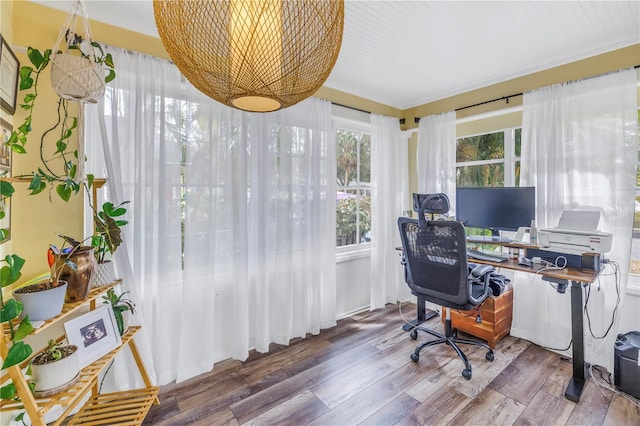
(122, 408)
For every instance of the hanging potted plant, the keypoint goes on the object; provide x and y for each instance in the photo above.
(79, 63)
(55, 368)
(106, 240)
(62, 167)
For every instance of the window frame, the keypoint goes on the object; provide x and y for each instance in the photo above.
(354, 121)
(509, 160)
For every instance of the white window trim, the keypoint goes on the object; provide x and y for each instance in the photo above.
(345, 118)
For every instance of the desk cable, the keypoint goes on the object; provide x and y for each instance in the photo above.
(587, 294)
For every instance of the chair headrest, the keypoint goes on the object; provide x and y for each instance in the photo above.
(430, 203)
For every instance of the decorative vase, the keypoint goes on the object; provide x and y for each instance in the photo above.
(104, 274)
(41, 301)
(78, 278)
(54, 377)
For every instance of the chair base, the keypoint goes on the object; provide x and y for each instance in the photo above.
(451, 339)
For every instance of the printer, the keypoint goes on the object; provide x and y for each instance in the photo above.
(576, 233)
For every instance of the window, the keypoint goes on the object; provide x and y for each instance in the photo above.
(353, 197)
(634, 267)
(491, 159)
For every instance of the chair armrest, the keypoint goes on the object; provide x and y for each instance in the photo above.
(480, 274)
(479, 271)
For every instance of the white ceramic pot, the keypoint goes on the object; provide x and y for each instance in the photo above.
(55, 375)
(103, 274)
(43, 304)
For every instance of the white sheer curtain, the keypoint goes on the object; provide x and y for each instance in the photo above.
(389, 190)
(436, 155)
(580, 150)
(232, 217)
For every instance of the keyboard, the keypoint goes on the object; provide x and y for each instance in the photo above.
(488, 257)
(488, 239)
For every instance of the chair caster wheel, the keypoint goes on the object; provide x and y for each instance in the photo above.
(489, 356)
(414, 335)
(415, 357)
(466, 374)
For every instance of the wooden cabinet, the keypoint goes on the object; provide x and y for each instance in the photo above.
(496, 314)
(126, 407)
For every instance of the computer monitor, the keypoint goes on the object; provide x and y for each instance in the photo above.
(497, 209)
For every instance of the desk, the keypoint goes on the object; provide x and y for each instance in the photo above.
(577, 278)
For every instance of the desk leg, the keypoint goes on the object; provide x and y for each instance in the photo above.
(423, 315)
(574, 389)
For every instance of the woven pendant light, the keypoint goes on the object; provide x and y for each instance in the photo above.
(254, 55)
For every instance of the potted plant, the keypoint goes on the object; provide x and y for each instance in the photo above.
(55, 368)
(59, 170)
(75, 265)
(121, 306)
(106, 240)
(71, 272)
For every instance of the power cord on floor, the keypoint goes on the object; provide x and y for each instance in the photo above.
(606, 384)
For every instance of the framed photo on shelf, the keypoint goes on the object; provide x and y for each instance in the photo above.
(9, 71)
(94, 333)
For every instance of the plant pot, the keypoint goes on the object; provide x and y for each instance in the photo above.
(78, 280)
(41, 301)
(77, 78)
(104, 274)
(57, 375)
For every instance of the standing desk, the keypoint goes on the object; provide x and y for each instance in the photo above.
(578, 278)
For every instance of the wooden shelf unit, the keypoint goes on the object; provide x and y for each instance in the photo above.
(126, 407)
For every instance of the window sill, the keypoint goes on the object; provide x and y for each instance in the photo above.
(347, 256)
(633, 284)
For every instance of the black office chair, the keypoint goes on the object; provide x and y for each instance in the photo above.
(436, 268)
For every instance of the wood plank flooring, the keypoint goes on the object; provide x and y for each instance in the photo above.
(360, 373)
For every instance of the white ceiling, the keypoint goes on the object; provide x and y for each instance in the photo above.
(406, 53)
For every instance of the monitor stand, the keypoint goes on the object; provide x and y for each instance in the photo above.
(424, 314)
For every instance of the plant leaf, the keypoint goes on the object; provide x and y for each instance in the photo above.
(10, 272)
(18, 353)
(11, 309)
(6, 188)
(63, 191)
(8, 391)
(35, 56)
(26, 82)
(110, 76)
(24, 329)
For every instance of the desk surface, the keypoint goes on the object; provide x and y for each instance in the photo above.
(570, 274)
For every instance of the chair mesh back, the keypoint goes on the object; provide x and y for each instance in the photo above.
(436, 260)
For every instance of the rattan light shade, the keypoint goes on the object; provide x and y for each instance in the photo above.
(255, 55)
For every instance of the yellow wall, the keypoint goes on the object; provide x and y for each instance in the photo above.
(36, 220)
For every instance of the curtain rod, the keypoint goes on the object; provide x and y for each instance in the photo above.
(503, 98)
(359, 110)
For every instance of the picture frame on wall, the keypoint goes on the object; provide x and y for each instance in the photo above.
(5, 171)
(9, 72)
(5, 151)
(94, 333)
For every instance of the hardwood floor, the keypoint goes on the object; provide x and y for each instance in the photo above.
(360, 373)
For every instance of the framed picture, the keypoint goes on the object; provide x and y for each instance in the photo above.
(94, 333)
(9, 71)
(5, 151)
